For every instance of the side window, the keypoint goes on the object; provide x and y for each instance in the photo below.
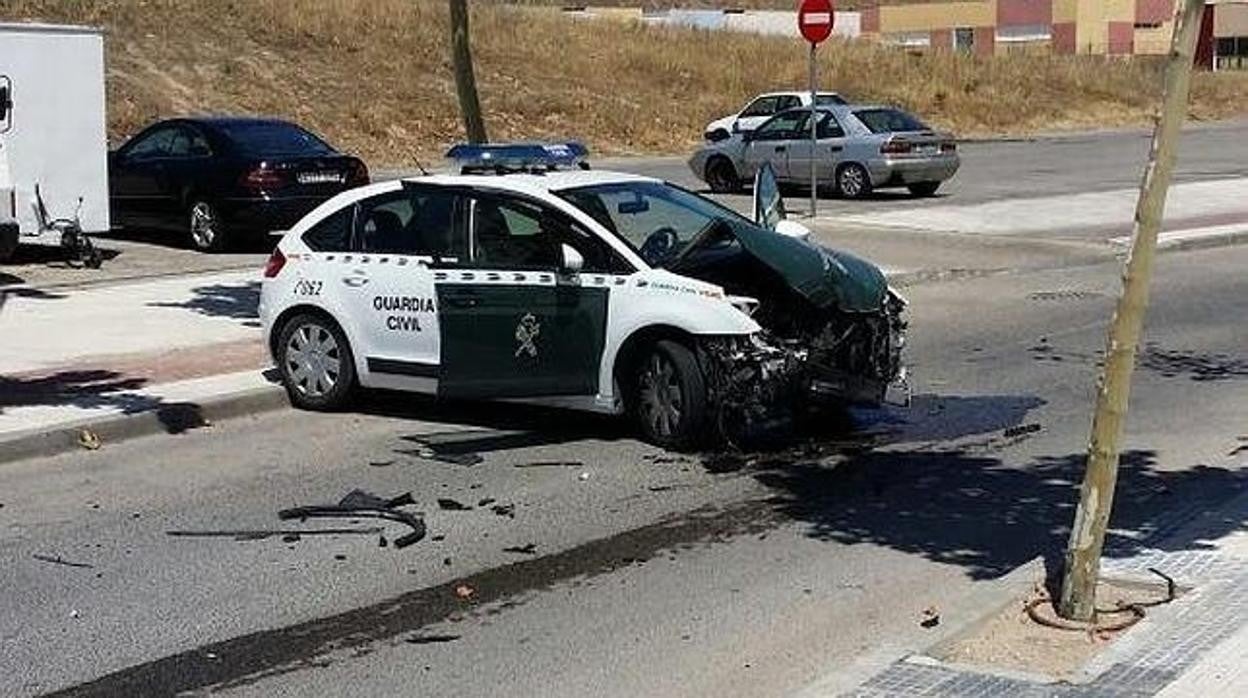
(333, 233)
(782, 127)
(829, 128)
(411, 221)
(788, 102)
(763, 106)
(517, 234)
(152, 145)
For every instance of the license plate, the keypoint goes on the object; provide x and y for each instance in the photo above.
(320, 178)
(926, 150)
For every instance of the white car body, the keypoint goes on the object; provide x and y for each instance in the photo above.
(762, 108)
(393, 308)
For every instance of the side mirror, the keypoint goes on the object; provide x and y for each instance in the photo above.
(570, 261)
(792, 229)
(736, 127)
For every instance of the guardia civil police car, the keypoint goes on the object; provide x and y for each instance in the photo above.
(528, 275)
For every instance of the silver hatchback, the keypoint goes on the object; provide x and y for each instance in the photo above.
(858, 149)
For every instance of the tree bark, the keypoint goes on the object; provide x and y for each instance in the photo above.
(1096, 497)
(465, 80)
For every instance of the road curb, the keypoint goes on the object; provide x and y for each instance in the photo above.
(171, 418)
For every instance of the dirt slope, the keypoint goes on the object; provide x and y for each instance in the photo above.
(373, 76)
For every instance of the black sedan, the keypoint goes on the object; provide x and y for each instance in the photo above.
(219, 179)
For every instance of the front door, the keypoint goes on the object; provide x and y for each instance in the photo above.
(772, 143)
(136, 176)
(513, 322)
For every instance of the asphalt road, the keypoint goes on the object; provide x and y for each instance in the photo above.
(991, 171)
(649, 573)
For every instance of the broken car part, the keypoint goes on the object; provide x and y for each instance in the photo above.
(358, 503)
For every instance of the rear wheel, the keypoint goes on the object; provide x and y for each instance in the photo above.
(207, 230)
(852, 181)
(669, 395)
(924, 188)
(315, 362)
(721, 176)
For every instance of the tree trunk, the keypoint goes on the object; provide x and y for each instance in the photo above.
(1096, 497)
(465, 80)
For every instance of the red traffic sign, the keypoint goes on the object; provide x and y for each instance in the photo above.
(814, 20)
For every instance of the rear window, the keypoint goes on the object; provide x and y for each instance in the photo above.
(274, 138)
(889, 120)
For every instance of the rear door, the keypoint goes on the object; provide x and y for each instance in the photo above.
(772, 143)
(828, 150)
(513, 324)
(387, 283)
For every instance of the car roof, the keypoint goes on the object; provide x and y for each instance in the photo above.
(226, 121)
(556, 180)
(799, 93)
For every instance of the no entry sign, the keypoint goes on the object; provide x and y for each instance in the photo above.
(814, 20)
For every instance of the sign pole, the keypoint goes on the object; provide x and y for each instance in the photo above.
(814, 22)
(814, 139)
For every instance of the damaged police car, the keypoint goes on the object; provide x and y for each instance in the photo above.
(529, 276)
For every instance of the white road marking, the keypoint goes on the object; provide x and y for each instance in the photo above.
(1069, 212)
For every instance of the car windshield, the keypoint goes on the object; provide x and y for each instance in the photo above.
(270, 138)
(658, 220)
(889, 120)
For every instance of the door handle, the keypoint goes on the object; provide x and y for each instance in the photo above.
(355, 280)
(463, 301)
(837, 148)
(780, 149)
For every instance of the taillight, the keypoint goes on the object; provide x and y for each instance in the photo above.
(359, 174)
(948, 147)
(262, 178)
(273, 267)
(896, 148)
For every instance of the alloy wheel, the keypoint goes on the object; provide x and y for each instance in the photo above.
(313, 360)
(660, 399)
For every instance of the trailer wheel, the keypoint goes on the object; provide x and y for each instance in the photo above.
(206, 228)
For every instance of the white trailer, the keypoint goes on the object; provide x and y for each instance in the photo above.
(55, 135)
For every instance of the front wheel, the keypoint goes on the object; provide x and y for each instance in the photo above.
(315, 362)
(206, 229)
(924, 189)
(721, 176)
(852, 181)
(670, 400)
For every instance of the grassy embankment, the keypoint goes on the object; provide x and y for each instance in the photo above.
(373, 75)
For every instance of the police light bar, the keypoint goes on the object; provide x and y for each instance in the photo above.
(518, 156)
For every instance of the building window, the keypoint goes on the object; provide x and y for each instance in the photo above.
(1024, 33)
(1231, 53)
(964, 39)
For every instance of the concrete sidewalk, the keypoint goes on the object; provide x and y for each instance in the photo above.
(100, 355)
(1195, 647)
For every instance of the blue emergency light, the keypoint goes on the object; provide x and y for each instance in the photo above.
(522, 157)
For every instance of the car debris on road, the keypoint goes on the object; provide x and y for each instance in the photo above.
(359, 503)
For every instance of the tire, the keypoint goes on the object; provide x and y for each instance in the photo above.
(669, 399)
(852, 181)
(9, 235)
(721, 176)
(205, 228)
(924, 189)
(306, 347)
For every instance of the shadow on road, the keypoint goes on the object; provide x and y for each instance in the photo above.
(94, 390)
(970, 509)
(235, 301)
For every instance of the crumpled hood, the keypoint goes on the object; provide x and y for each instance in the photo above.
(826, 277)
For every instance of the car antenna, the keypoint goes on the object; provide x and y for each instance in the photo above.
(419, 166)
